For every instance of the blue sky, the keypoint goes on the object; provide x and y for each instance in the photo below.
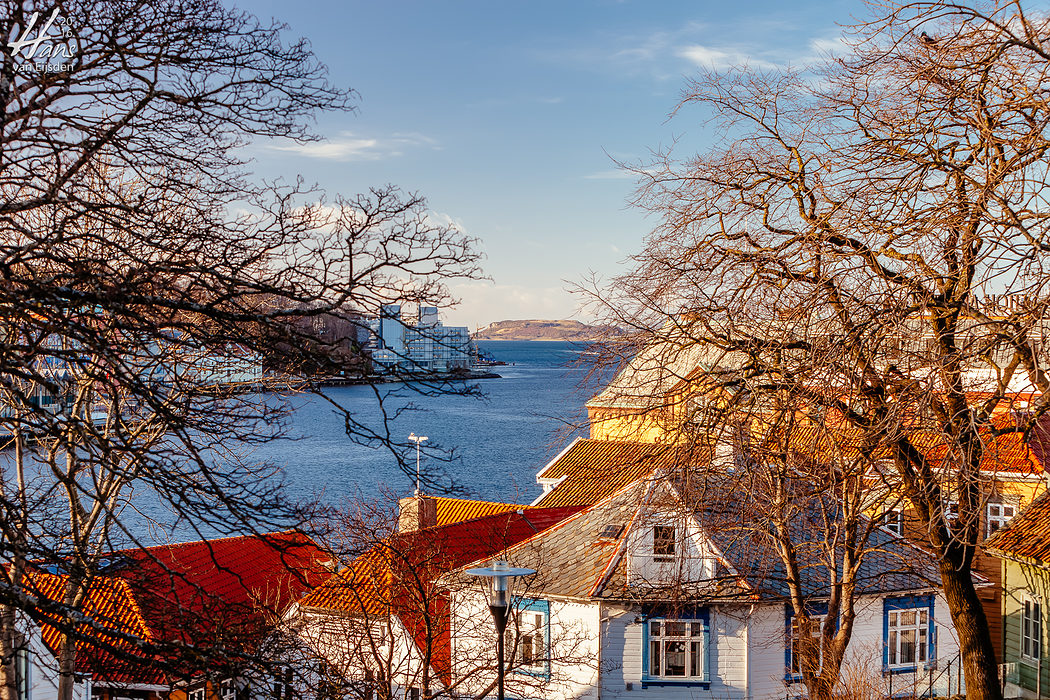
(508, 117)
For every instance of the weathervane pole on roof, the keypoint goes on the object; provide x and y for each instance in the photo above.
(417, 439)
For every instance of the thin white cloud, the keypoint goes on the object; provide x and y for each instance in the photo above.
(722, 58)
(615, 174)
(348, 146)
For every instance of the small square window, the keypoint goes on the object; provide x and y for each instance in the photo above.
(893, 521)
(611, 532)
(997, 515)
(663, 541)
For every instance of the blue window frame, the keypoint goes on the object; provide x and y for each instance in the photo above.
(909, 635)
(529, 635)
(676, 651)
(817, 612)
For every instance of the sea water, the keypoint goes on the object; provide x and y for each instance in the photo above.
(497, 441)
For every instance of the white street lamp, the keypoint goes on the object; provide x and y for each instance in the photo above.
(500, 583)
(417, 439)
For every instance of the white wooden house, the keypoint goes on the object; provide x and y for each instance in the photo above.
(636, 597)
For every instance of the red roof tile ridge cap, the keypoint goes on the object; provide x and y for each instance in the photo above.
(476, 500)
(307, 540)
(559, 524)
(126, 586)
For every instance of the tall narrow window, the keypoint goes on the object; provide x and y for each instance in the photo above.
(227, 690)
(908, 631)
(530, 627)
(1031, 628)
(806, 647)
(663, 542)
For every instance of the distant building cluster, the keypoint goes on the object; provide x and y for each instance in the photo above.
(417, 344)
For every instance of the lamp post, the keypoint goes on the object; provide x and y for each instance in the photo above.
(417, 439)
(500, 578)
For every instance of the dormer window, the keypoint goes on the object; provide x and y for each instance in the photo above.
(611, 531)
(663, 542)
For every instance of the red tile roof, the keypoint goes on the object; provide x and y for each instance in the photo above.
(214, 594)
(397, 575)
(1028, 535)
(592, 470)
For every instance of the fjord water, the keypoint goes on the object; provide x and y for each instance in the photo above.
(499, 440)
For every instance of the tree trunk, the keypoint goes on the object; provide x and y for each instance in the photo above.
(971, 625)
(8, 675)
(66, 667)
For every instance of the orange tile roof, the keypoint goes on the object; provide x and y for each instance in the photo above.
(110, 605)
(216, 594)
(455, 510)
(591, 470)
(1005, 454)
(397, 575)
(1028, 535)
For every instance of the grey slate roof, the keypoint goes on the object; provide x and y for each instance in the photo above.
(575, 562)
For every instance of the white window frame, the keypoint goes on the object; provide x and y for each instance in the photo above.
(691, 637)
(197, 694)
(816, 622)
(227, 689)
(902, 624)
(1000, 518)
(951, 510)
(1031, 628)
(530, 648)
(893, 520)
(668, 546)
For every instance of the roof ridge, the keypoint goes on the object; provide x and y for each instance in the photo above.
(554, 460)
(553, 528)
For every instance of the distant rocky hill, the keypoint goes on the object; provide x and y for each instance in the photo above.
(540, 330)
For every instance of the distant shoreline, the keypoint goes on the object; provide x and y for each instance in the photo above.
(541, 330)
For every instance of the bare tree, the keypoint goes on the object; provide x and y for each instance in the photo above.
(141, 264)
(869, 242)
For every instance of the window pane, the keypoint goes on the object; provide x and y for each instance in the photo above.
(654, 658)
(922, 616)
(663, 540)
(696, 659)
(654, 629)
(698, 629)
(907, 640)
(907, 617)
(893, 647)
(526, 646)
(674, 629)
(674, 658)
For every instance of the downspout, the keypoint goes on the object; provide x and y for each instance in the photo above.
(601, 647)
(747, 653)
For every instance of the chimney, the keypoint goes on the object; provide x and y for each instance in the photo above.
(417, 512)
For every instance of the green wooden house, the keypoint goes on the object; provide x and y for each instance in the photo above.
(1024, 548)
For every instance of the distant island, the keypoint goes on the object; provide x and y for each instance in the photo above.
(540, 330)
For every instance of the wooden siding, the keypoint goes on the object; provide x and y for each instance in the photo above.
(1023, 579)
